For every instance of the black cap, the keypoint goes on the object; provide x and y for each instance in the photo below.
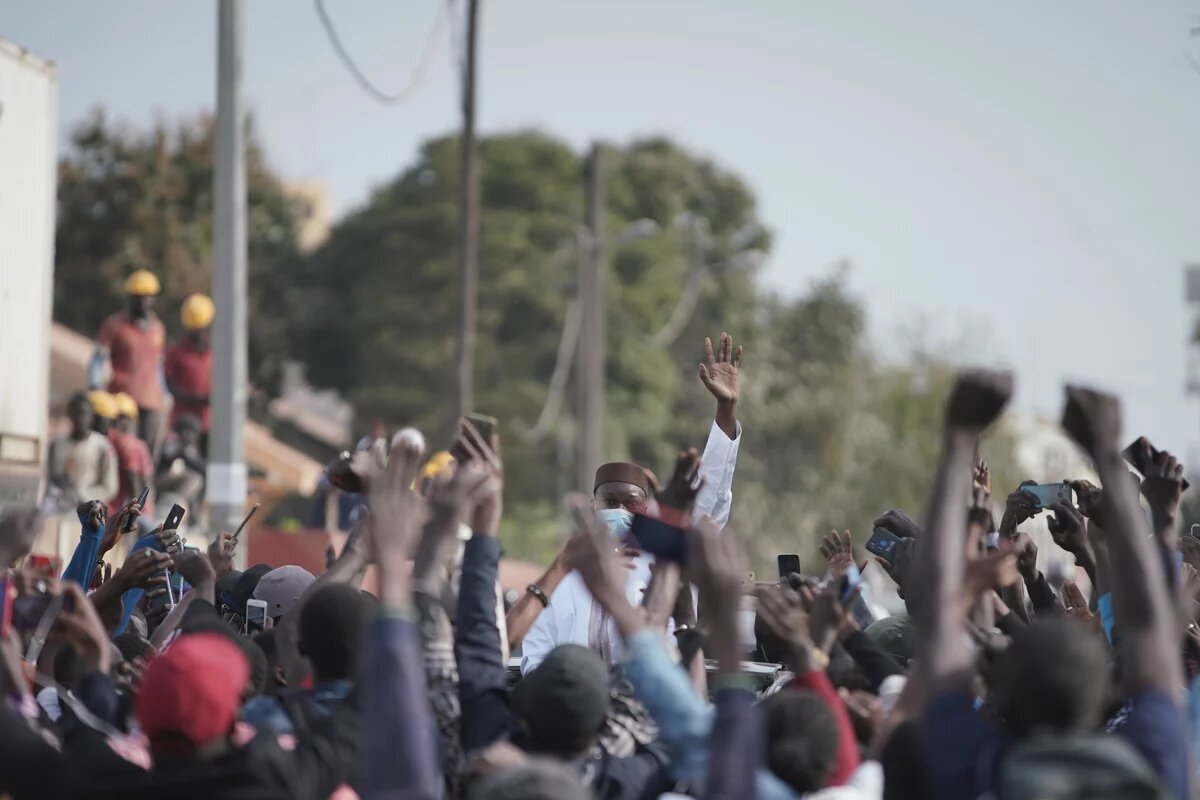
(243, 590)
(564, 702)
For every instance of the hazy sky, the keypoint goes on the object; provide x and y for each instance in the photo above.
(1022, 175)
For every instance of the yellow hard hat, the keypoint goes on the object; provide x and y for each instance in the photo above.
(126, 405)
(142, 283)
(437, 464)
(103, 404)
(197, 312)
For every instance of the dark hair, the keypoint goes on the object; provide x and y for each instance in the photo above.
(332, 623)
(802, 739)
(1053, 679)
(903, 762)
(280, 659)
(79, 398)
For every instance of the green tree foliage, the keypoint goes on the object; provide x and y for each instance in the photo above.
(382, 303)
(129, 200)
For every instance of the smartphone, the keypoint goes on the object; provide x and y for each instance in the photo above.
(484, 425)
(174, 517)
(256, 616)
(1133, 454)
(1050, 493)
(659, 539)
(788, 564)
(883, 544)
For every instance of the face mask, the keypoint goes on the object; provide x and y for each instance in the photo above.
(617, 520)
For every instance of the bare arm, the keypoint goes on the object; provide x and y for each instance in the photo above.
(527, 609)
(1142, 607)
(942, 653)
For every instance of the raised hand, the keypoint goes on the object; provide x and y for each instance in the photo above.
(1093, 420)
(1069, 531)
(839, 552)
(81, 624)
(994, 570)
(719, 372)
(977, 399)
(118, 526)
(92, 513)
(1088, 496)
(489, 505)
(681, 490)
(783, 612)
(220, 553)
(899, 523)
(1077, 607)
(1163, 484)
(829, 617)
(1019, 507)
(1027, 560)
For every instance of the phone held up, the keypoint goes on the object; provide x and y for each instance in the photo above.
(788, 564)
(883, 544)
(1133, 454)
(256, 616)
(659, 539)
(1048, 494)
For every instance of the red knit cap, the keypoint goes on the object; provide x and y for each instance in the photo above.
(193, 689)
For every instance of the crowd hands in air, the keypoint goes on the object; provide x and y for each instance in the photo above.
(994, 683)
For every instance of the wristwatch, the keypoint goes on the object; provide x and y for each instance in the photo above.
(537, 592)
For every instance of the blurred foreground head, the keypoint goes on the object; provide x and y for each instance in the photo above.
(190, 695)
(563, 703)
(1054, 680)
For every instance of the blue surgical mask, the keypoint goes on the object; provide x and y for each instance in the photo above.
(617, 520)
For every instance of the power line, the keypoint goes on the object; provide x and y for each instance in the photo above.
(418, 73)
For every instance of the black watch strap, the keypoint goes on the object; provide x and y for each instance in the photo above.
(537, 592)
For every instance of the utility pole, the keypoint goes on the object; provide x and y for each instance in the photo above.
(226, 486)
(468, 228)
(592, 305)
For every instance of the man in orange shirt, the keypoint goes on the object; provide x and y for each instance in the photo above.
(189, 365)
(131, 342)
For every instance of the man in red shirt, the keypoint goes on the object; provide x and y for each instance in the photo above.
(131, 342)
(134, 466)
(189, 365)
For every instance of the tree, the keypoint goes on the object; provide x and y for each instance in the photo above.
(129, 200)
(380, 302)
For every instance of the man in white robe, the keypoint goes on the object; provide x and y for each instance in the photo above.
(621, 489)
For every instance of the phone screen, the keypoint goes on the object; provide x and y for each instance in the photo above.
(788, 564)
(1049, 493)
(659, 539)
(883, 544)
(256, 616)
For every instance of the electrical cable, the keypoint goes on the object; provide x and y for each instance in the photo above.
(418, 73)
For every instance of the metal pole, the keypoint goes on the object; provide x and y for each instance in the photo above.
(592, 306)
(468, 229)
(226, 487)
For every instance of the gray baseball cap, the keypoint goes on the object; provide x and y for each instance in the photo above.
(281, 588)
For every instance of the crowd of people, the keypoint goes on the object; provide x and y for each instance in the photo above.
(121, 441)
(992, 683)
